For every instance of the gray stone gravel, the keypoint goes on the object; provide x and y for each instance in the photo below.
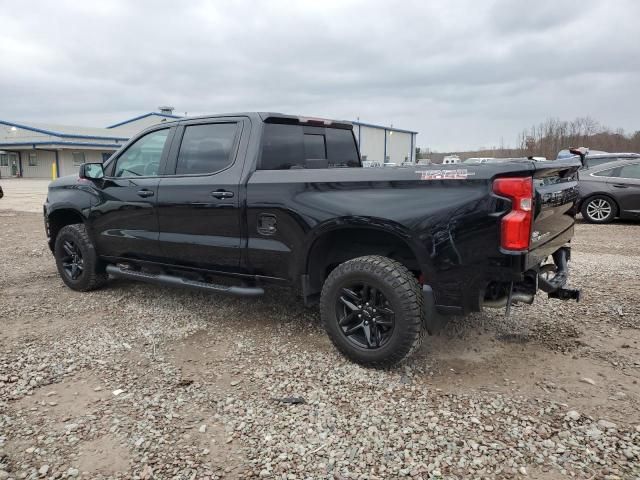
(205, 384)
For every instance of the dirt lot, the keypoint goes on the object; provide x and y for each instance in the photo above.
(136, 381)
(24, 194)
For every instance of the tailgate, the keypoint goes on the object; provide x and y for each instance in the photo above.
(556, 191)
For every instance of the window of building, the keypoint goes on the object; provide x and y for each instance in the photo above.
(142, 158)
(33, 160)
(105, 157)
(4, 160)
(206, 148)
(630, 171)
(78, 158)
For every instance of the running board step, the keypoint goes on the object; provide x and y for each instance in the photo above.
(172, 280)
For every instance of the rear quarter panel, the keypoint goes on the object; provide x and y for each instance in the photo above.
(451, 224)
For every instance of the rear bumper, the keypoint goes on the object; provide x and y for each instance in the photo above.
(550, 278)
(502, 287)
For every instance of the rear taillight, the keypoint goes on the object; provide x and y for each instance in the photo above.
(516, 225)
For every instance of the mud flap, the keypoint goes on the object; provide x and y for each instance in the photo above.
(434, 321)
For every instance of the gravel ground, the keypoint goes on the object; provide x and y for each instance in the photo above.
(136, 381)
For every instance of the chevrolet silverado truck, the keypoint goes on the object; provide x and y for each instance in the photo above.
(233, 203)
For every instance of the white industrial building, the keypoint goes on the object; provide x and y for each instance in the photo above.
(385, 145)
(32, 149)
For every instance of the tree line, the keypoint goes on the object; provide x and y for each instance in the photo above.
(549, 137)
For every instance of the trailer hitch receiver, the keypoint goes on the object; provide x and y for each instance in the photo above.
(554, 286)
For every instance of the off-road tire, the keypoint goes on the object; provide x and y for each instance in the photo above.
(403, 293)
(588, 209)
(93, 274)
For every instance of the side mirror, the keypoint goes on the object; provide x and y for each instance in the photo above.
(91, 171)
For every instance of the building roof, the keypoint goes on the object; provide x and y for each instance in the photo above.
(65, 131)
(14, 134)
(382, 127)
(140, 117)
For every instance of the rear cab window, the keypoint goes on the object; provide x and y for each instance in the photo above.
(290, 146)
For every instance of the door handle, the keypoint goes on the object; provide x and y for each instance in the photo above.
(619, 185)
(145, 193)
(220, 194)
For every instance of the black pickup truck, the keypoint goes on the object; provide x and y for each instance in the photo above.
(230, 203)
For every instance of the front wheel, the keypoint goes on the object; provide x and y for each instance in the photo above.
(599, 209)
(77, 260)
(371, 308)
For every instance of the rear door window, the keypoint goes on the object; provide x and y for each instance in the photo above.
(610, 172)
(630, 171)
(206, 148)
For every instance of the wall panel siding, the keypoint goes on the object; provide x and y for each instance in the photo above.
(43, 170)
(372, 144)
(66, 160)
(399, 147)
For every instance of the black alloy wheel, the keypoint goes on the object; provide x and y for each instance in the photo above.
(72, 262)
(365, 316)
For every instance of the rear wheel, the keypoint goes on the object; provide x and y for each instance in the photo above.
(371, 308)
(599, 209)
(76, 259)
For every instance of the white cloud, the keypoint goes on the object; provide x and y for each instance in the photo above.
(461, 73)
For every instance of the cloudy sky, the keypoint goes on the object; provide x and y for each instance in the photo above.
(462, 74)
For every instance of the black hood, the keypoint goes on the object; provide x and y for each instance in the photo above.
(64, 181)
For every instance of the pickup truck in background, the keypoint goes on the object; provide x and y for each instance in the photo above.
(231, 203)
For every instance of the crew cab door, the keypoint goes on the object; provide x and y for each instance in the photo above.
(199, 201)
(124, 221)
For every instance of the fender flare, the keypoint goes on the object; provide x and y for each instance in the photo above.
(354, 222)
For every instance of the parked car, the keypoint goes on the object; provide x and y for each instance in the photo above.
(231, 203)
(479, 160)
(1, 192)
(596, 158)
(450, 159)
(610, 190)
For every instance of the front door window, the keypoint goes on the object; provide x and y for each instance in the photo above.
(142, 158)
